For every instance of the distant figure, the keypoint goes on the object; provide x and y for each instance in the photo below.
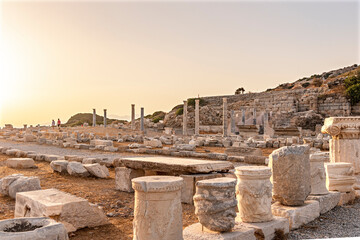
(59, 122)
(53, 123)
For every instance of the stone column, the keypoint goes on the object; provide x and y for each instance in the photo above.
(345, 142)
(197, 117)
(104, 117)
(318, 174)
(132, 116)
(253, 192)
(340, 177)
(243, 116)
(215, 203)
(94, 117)
(291, 174)
(185, 118)
(142, 119)
(233, 121)
(254, 116)
(225, 117)
(157, 210)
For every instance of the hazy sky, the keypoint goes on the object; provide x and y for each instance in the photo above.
(61, 58)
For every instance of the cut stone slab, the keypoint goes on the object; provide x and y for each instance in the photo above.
(50, 158)
(77, 169)
(97, 170)
(46, 228)
(347, 198)
(24, 184)
(274, 229)
(243, 151)
(59, 166)
(176, 165)
(20, 163)
(74, 212)
(326, 202)
(239, 232)
(298, 215)
(123, 177)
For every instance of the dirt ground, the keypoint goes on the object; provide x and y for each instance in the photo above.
(101, 191)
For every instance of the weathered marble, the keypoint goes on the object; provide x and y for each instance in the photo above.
(340, 177)
(74, 212)
(291, 174)
(253, 192)
(215, 203)
(157, 211)
(345, 142)
(318, 175)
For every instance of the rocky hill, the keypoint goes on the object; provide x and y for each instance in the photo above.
(303, 103)
(81, 118)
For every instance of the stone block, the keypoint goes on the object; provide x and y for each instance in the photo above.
(20, 163)
(123, 177)
(326, 202)
(50, 158)
(347, 198)
(97, 170)
(277, 227)
(197, 232)
(91, 160)
(74, 212)
(24, 184)
(59, 166)
(77, 169)
(188, 190)
(299, 215)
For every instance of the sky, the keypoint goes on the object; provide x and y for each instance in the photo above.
(61, 58)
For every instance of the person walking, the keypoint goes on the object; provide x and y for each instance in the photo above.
(59, 123)
(53, 123)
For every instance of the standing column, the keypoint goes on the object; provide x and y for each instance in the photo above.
(158, 212)
(243, 116)
(224, 117)
(132, 116)
(142, 119)
(232, 121)
(254, 116)
(197, 117)
(185, 118)
(104, 117)
(94, 117)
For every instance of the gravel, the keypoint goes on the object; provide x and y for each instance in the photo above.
(342, 221)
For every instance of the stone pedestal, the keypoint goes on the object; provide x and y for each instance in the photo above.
(185, 118)
(318, 175)
(157, 211)
(197, 117)
(340, 177)
(291, 174)
(215, 203)
(225, 123)
(253, 192)
(345, 142)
